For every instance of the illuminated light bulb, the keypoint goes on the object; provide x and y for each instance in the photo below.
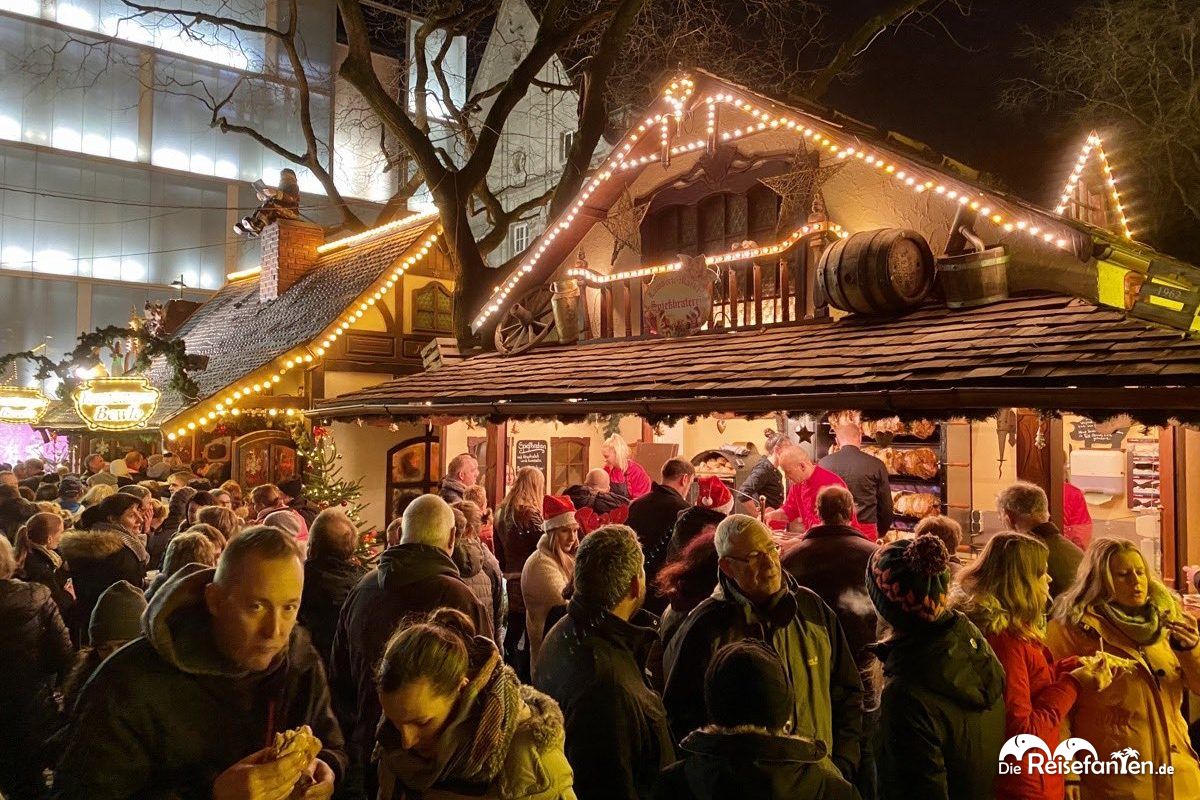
(951, 194)
(1008, 226)
(274, 379)
(289, 363)
(191, 426)
(1033, 229)
(1060, 242)
(962, 200)
(272, 412)
(237, 395)
(1021, 224)
(257, 388)
(171, 437)
(985, 211)
(997, 218)
(307, 359)
(236, 412)
(1048, 236)
(901, 174)
(940, 189)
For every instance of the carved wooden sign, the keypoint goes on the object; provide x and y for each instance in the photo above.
(678, 303)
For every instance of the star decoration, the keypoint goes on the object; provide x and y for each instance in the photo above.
(803, 434)
(624, 222)
(800, 187)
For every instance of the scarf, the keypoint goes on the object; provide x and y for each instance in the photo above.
(475, 742)
(52, 556)
(131, 541)
(1142, 627)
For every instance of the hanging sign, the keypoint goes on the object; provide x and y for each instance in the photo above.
(678, 303)
(22, 404)
(116, 404)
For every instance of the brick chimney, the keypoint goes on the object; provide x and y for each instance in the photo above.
(289, 251)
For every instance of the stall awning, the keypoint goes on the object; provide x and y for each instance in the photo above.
(1054, 353)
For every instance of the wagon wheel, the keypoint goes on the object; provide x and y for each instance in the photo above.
(526, 322)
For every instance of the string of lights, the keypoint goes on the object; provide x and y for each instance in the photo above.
(1093, 143)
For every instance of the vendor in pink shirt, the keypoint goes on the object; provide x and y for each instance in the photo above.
(807, 478)
(1077, 520)
(626, 476)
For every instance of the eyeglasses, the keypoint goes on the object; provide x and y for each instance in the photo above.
(758, 555)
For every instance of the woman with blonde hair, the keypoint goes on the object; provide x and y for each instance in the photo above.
(1118, 609)
(1005, 593)
(518, 528)
(625, 476)
(95, 495)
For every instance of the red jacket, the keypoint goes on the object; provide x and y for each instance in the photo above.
(634, 477)
(1037, 698)
(801, 502)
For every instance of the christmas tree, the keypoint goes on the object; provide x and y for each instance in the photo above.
(325, 486)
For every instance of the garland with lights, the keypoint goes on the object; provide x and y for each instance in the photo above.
(325, 486)
(84, 357)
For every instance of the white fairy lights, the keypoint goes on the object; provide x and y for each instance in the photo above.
(305, 356)
(820, 134)
(373, 233)
(1093, 143)
(711, 261)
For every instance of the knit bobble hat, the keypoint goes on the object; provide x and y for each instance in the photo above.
(117, 616)
(908, 581)
(745, 684)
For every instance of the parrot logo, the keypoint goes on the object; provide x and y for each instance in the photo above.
(1022, 743)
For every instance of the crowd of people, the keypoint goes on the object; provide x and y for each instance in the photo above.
(620, 638)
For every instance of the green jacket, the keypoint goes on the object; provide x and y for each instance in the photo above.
(941, 722)
(809, 640)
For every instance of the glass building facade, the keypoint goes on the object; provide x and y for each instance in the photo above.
(114, 182)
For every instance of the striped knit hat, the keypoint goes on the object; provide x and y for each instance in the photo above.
(908, 581)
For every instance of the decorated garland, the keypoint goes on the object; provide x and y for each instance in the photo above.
(85, 356)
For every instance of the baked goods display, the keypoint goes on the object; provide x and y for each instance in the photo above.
(916, 504)
(892, 426)
(917, 462)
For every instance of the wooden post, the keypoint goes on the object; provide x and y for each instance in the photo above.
(626, 307)
(1172, 455)
(782, 275)
(756, 290)
(731, 283)
(1042, 466)
(497, 434)
(606, 312)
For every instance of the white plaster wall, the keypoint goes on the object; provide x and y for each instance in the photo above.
(364, 455)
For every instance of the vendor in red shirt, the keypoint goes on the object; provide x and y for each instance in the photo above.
(1077, 520)
(799, 510)
(625, 476)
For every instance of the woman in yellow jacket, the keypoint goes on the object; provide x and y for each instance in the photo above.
(1118, 608)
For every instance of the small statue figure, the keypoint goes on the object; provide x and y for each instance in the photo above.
(280, 203)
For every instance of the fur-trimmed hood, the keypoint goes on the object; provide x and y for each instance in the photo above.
(98, 543)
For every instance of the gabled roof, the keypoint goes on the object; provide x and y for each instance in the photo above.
(913, 165)
(241, 335)
(1045, 352)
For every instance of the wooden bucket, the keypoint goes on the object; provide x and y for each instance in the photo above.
(974, 279)
(877, 272)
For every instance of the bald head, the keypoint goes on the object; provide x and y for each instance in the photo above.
(796, 463)
(429, 520)
(598, 479)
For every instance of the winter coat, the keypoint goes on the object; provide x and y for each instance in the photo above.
(1037, 699)
(652, 517)
(327, 581)
(33, 648)
(42, 567)
(534, 767)
(451, 490)
(809, 640)
(542, 582)
(601, 502)
(1141, 709)
(867, 479)
(502, 741)
(1063, 561)
(515, 538)
(97, 559)
(750, 763)
(764, 480)
(167, 713)
(593, 664)
(631, 482)
(941, 714)
(481, 572)
(411, 579)
(832, 561)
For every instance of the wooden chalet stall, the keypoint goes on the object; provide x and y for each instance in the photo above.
(315, 320)
(738, 264)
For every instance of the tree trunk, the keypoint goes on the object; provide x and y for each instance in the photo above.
(474, 277)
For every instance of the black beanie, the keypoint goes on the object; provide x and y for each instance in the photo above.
(746, 685)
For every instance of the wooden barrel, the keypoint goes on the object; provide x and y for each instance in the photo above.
(877, 272)
(974, 279)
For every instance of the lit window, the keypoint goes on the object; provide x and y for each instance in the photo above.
(518, 237)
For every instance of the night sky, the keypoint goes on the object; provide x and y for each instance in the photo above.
(918, 82)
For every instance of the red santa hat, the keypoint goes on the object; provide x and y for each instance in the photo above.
(714, 494)
(557, 511)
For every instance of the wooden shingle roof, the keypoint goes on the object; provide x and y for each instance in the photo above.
(1045, 352)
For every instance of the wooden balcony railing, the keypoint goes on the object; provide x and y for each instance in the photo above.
(755, 287)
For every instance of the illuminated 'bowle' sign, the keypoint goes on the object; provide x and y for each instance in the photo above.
(116, 404)
(22, 404)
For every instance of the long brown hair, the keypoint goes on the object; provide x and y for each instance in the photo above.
(528, 489)
(35, 531)
(1005, 588)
